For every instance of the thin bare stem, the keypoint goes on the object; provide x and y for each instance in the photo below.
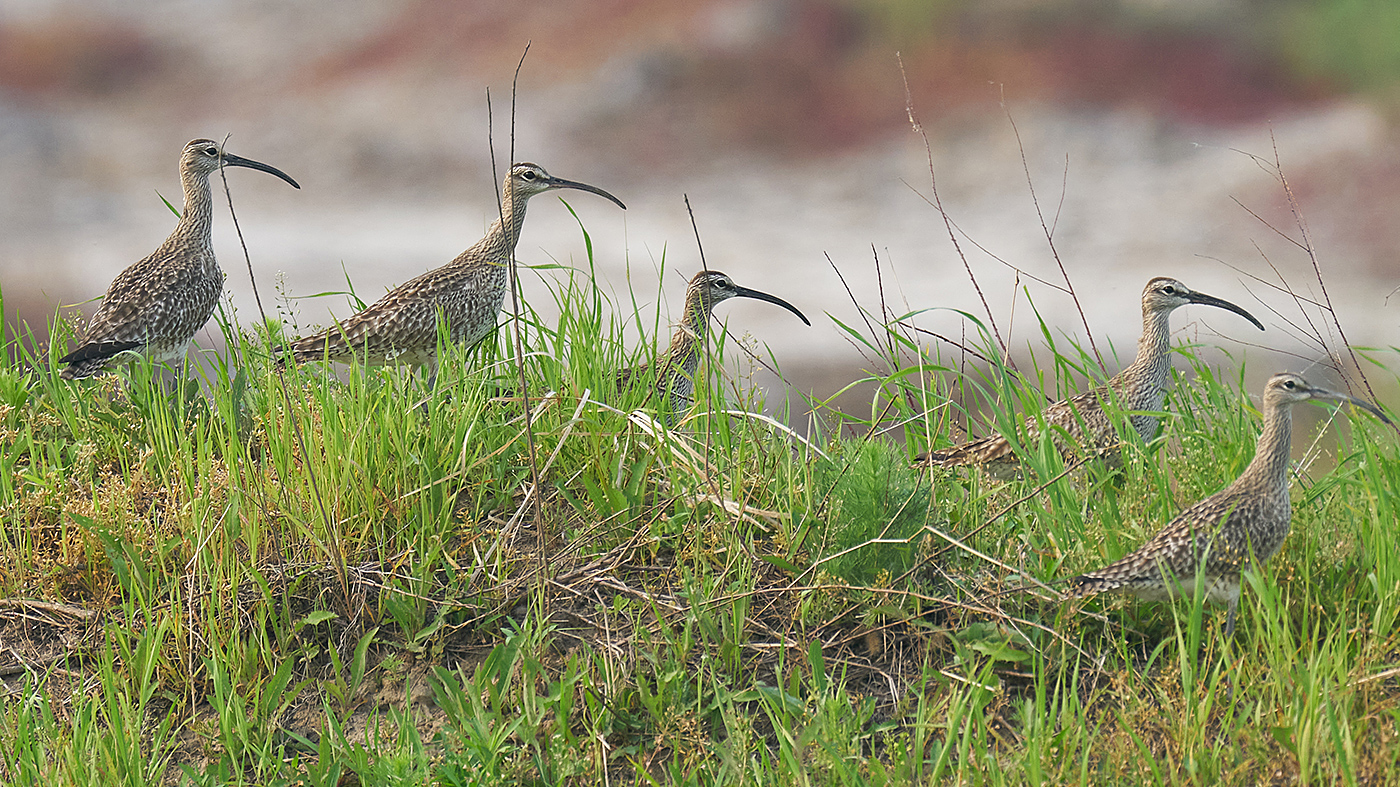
(1314, 333)
(1049, 233)
(863, 316)
(1297, 211)
(333, 550)
(694, 227)
(947, 223)
(953, 342)
(711, 370)
(532, 497)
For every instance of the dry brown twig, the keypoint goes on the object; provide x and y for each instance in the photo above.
(332, 546)
(531, 499)
(938, 600)
(938, 205)
(1305, 243)
(1049, 231)
(25, 605)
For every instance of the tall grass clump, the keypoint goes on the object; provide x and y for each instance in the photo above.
(244, 575)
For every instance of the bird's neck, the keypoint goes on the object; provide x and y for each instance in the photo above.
(697, 314)
(1274, 449)
(684, 352)
(198, 214)
(1156, 338)
(504, 232)
(689, 339)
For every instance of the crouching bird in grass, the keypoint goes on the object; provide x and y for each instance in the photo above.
(1215, 540)
(466, 293)
(156, 306)
(674, 371)
(1140, 389)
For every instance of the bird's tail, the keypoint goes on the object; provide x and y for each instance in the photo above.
(91, 358)
(977, 452)
(282, 356)
(307, 348)
(1086, 585)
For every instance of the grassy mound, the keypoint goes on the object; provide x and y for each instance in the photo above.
(338, 577)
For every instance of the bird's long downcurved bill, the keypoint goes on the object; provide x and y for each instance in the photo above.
(1221, 303)
(1322, 393)
(745, 292)
(231, 160)
(560, 183)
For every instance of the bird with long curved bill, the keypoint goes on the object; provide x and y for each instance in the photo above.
(466, 294)
(1082, 421)
(1215, 540)
(156, 306)
(674, 371)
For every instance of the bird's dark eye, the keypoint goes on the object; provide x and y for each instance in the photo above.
(1168, 290)
(1289, 384)
(211, 151)
(528, 174)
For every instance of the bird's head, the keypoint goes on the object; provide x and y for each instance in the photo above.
(530, 179)
(708, 288)
(1286, 389)
(1165, 294)
(205, 156)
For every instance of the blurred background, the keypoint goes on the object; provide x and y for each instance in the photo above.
(1145, 136)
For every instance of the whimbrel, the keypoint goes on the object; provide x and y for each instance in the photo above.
(466, 293)
(156, 306)
(1139, 389)
(1217, 538)
(674, 371)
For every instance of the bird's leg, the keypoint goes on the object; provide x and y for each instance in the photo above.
(429, 387)
(1229, 646)
(181, 378)
(430, 384)
(431, 365)
(166, 385)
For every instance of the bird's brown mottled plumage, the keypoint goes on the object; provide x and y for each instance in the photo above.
(1139, 389)
(674, 371)
(1215, 539)
(156, 306)
(402, 326)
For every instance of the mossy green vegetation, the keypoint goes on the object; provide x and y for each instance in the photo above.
(338, 577)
